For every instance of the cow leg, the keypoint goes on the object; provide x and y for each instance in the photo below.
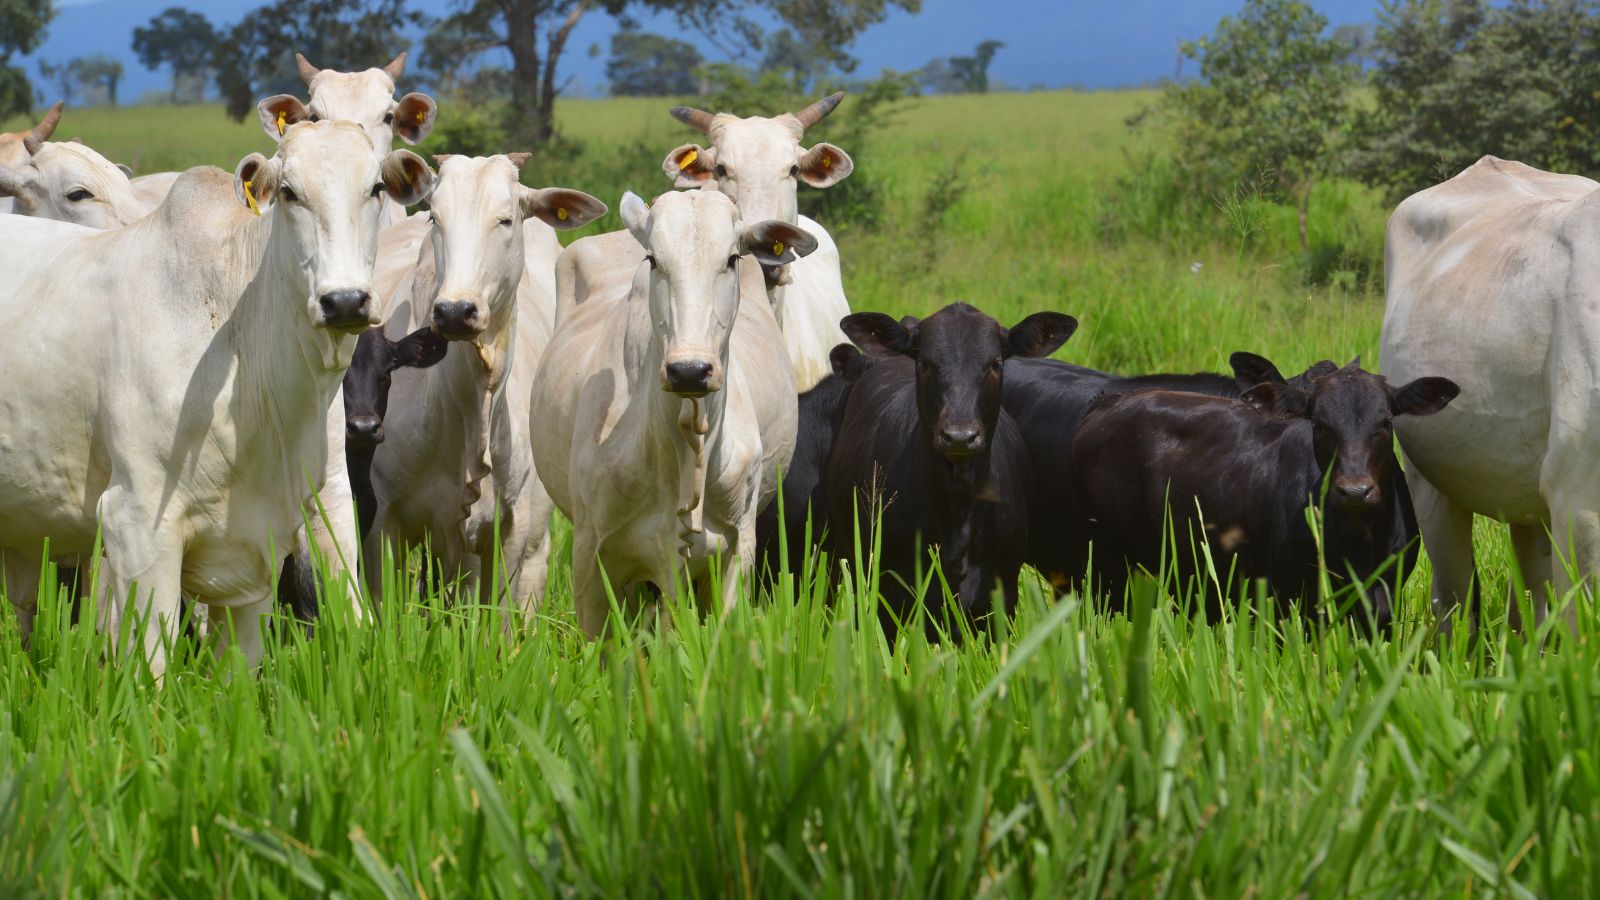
(144, 576)
(1577, 534)
(1447, 538)
(1531, 544)
(21, 571)
(244, 622)
(588, 584)
(337, 534)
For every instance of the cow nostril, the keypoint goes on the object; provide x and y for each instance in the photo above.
(961, 437)
(455, 317)
(366, 429)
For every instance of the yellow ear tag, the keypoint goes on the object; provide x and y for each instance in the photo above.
(250, 198)
(777, 249)
(688, 159)
(561, 213)
(827, 161)
(423, 114)
(282, 114)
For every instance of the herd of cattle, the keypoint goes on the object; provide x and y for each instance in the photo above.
(212, 374)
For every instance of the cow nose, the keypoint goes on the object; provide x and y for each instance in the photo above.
(456, 319)
(1361, 492)
(345, 310)
(364, 431)
(961, 440)
(688, 377)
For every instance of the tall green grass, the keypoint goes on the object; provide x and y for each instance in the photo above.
(785, 749)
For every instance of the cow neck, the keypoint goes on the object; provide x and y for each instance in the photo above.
(695, 426)
(955, 496)
(282, 393)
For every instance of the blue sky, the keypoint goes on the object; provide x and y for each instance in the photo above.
(1085, 43)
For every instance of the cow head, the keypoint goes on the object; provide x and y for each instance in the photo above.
(71, 183)
(692, 243)
(1250, 370)
(365, 98)
(1352, 419)
(12, 151)
(326, 191)
(367, 381)
(960, 355)
(758, 161)
(477, 211)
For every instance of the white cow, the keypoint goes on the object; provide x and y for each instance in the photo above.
(456, 462)
(661, 422)
(207, 346)
(69, 182)
(759, 163)
(12, 151)
(1492, 280)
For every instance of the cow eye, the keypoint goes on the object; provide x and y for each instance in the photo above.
(651, 260)
(377, 189)
(315, 117)
(288, 195)
(721, 170)
(794, 171)
(80, 195)
(388, 119)
(506, 221)
(733, 261)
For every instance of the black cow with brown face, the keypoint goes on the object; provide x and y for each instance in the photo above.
(1217, 467)
(925, 444)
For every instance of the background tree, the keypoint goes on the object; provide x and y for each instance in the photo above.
(97, 76)
(60, 80)
(1273, 96)
(22, 26)
(256, 57)
(649, 65)
(182, 40)
(535, 34)
(972, 72)
(1457, 79)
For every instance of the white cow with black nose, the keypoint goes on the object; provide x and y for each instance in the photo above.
(455, 462)
(208, 346)
(760, 163)
(661, 421)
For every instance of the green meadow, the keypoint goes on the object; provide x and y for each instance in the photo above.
(785, 749)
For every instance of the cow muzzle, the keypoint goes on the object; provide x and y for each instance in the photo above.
(457, 320)
(690, 378)
(958, 443)
(1356, 494)
(348, 311)
(363, 431)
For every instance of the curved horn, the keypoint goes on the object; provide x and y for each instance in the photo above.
(47, 125)
(396, 67)
(31, 144)
(307, 70)
(819, 110)
(697, 119)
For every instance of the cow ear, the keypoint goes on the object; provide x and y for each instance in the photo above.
(407, 178)
(776, 243)
(877, 334)
(690, 166)
(1278, 399)
(279, 112)
(848, 362)
(636, 215)
(13, 181)
(420, 349)
(255, 180)
(1423, 397)
(561, 207)
(413, 117)
(1039, 334)
(1250, 370)
(824, 165)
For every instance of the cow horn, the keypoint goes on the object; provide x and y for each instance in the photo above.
(697, 119)
(519, 158)
(307, 70)
(396, 67)
(47, 125)
(31, 144)
(819, 110)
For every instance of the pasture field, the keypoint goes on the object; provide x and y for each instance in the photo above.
(784, 749)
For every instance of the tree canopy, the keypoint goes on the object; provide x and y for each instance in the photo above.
(22, 28)
(182, 40)
(650, 65)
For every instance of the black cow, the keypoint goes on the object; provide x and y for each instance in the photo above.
(1139, 458)
(366, 399)
(804, 490)
(925, 444)
(1048, 399)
